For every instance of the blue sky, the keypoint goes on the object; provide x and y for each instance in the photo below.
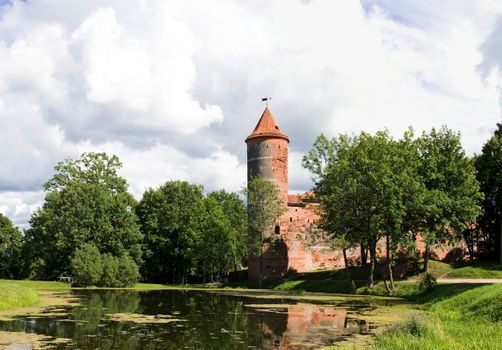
(174, 87)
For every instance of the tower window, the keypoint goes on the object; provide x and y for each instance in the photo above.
(277, 230)
(291, 219)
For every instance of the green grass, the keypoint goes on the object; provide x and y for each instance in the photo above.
(40, 285)
(476, 269)
(14, 295)
(456, 317)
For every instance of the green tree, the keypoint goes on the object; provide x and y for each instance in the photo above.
(235, 211)
(10, 249)
(265, 207)
(86, 202)
(489, 174)
(86, 265)
(450, 203)
(171, 219)
(362, 183)
(342, 231)
(217, 249)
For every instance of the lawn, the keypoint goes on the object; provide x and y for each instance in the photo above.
(14, 295)
(456, 317)
(40, 285)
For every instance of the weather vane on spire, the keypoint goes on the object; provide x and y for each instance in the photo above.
(266, 99)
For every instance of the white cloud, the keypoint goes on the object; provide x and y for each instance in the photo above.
(19, 205)
(154, 166)
(173, 87)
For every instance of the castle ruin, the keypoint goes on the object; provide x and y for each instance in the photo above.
(267, 157)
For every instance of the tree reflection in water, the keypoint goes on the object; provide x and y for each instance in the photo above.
(206, 320)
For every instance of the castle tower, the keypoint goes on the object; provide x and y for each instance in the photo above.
(267, 150)
(267, 157)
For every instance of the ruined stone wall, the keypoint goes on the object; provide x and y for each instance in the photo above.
(305, 253)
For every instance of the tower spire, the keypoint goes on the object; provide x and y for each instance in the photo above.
(267, 127)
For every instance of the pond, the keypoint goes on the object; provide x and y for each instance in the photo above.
(184, 319)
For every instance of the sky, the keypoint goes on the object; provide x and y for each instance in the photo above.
(174, 87)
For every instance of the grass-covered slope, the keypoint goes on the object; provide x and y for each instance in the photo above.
(14, 295)
(456, 317)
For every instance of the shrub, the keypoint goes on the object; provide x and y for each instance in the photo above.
(426, 282)
(109, 277)
(128, 273)
(118, 271)
(86, 265)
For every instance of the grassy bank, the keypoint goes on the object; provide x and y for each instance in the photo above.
(40, 285)
(456, 317)
(476, 269)
(14, 295)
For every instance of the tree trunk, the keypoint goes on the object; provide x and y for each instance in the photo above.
(364, 256)
(347, 271)
(427, 253)
(389, 264)
(260, 276)
(372, 249)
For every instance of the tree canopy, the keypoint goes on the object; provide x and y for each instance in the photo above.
(372, 187)
(188, 235)
(10, 249)
(489, 167)
(86, 201)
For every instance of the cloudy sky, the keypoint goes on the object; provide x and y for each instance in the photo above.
(174, 87)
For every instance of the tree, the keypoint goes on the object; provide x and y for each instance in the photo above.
(105, 270)
(86, 265)
(265, 207)
(86, 202)
(234, 210)
(10, 248)
(489, 174)
(171, 219)
(362, 184)
(217, 249)
(341, 230)
(452, 191)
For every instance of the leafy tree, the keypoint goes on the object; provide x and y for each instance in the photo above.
(86, 201)
(217, 249)
(171, 219)
(235, 211)
(10, 248)
(86, 265)
(489, 174)
(128, 271)
(105, 270)
(364, 184)
(265, 207)
(342, 231)
(450, 202)
(110, 275)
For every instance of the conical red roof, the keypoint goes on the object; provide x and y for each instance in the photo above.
(267, 127)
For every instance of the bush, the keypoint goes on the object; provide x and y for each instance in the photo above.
(118, 271)
(426, 282)
(128, 272)
(86, 265)
(110, 271)
(104, 270)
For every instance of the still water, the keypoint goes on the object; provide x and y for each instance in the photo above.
(174, 319)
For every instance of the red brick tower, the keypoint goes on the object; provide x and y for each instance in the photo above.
(267, 154)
